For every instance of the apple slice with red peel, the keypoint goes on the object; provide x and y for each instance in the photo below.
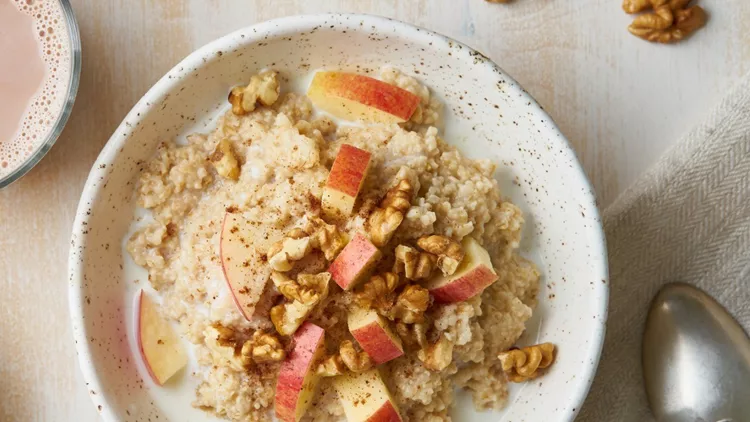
(161, 349)
(355, 262)
(298, 377)
(241, 249)
(357, 97)
(344, 181)
(472, 276)
(365, 397)
(374, 334)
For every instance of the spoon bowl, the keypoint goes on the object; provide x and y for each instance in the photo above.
(696, 359)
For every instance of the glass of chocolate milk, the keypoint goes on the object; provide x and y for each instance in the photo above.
(40, 63)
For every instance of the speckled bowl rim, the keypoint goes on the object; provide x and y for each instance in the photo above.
(249, 35)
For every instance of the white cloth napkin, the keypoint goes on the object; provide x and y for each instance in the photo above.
(688, 219)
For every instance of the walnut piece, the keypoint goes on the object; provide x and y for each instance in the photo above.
(378, 292)
(222, 342)
(415, 265)
(266, 348)
(385, 220)
(411, 305)
(303, 294)
(414, 336)
(449, 252)
(355, 361)
(331, 366)
(437, 356)
(224, 160)
(524, 364)
(670, 21)
(300, 241)
(263, 88)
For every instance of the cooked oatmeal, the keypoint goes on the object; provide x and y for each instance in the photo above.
(266, 164)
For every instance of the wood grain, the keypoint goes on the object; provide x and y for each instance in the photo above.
(620, 101)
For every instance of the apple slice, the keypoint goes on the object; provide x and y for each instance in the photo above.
(365, 397)
(298, 376)
(160, 347)
(345, 180)
(241, 249)
(354, 262)
(356, 97)
(472, 276)
(374, 334)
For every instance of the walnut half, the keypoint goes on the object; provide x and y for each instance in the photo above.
(415, 265)
(411, 305)
(355, 361)
(386, 219)
(524, 364)
(669, 21)
(266, 348)
(224, 160)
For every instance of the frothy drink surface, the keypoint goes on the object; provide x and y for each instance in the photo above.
(35, 62)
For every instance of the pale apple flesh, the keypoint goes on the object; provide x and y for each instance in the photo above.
(355, 262)
(374, 335)
(473, 275)
(162, 351)
(357, 97)
(298, 377)
(241, 250)
(347, 175)
(365, 397)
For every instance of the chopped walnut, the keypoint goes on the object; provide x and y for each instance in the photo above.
(385, 220)
(413, 264)
(355, 361)
(437, 356)
(378, 292)
(411, 305)
(414, 336)
(224, 160)
(331, 366)
(266, 348)
(448, 251)
(263, 88)
(303, 295)
(300, 241)
(223, 343)
(282, 255)
(523, 364)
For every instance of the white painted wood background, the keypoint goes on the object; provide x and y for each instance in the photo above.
(620, 101)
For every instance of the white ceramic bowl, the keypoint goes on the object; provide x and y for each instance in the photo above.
(488, 115)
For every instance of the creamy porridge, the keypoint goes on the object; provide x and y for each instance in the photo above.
(334, 272)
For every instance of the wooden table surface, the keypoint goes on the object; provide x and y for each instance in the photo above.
(620, 101)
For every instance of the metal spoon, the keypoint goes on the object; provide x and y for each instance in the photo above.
(696, 359)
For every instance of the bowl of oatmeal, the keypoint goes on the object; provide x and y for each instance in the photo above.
(337, 218)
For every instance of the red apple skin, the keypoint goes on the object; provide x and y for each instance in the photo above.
(354, 261)
(368, 91)
(376, 343)
(349, 170)
(138, 327)
(387, 413)
(466, 287)
(308, 341)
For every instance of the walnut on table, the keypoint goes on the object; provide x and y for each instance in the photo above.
(415, 265)
(263, 88)
(524, 364)
(302, 294)
(386, 219)
(449, 252)
(669, 21)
